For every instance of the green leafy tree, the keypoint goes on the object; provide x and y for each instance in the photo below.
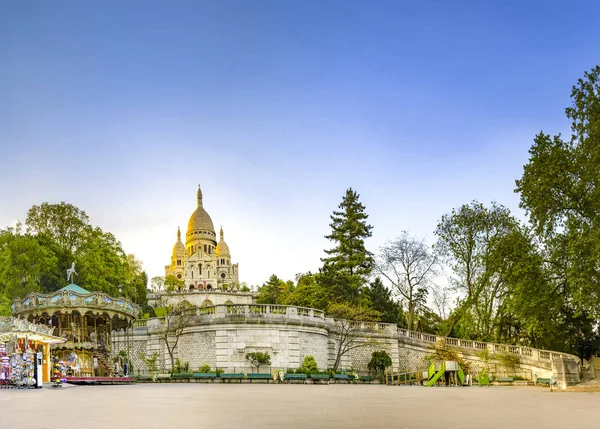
(172, 283)
(410, 267)
(308, 293)
(271, 291)
(489, 254)
(380, 360)
(560, 190)
(348, 264)
(23, 262)
(382, 301)
(259, 359)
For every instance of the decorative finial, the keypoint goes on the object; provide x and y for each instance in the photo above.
(178, 234)
(199, 196)
(71, 273)
(221, 233)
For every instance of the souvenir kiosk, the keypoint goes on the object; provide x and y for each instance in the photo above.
(86, 320)
(25, 360)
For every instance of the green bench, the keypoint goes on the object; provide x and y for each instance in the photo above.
(341, 377)
(231, 376)
(366, 379)
(259, 376)
(320, 377)
(143, 378)
(508, 380)
(205, 376)
(163, 377)
(181, 377)
(295, 377)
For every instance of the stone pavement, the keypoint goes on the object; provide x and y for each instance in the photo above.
(295, 406)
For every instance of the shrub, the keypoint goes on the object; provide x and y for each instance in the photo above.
(219, 371)
(379, 362)
(310, 365)
(204, 369)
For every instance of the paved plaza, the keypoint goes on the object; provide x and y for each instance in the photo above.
(295, 406)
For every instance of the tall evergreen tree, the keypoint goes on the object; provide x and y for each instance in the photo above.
(348, 264)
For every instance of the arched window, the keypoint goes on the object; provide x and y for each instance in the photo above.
(200, 269)
(191, 287)
(208, 287)
(205, 248)
(206, 303)
(179, 276)
(192, 273)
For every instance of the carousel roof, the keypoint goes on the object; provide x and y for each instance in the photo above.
(74, 288)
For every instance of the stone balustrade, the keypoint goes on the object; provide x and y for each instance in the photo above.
(536, 354)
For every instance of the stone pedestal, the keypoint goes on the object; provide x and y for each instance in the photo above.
(566, 372)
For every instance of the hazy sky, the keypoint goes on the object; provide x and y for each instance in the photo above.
(276, 107)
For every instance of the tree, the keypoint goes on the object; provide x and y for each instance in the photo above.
(348, 264)
(309, 365)
(560, 190)
(350, 334)
(485, 248)
(157, 284)
(381, 301)
(307, 293)
(176, 319)
(172, 283)
(270, 292)
(410, 266)
(380, 360)
(23, 262)
(259, 359)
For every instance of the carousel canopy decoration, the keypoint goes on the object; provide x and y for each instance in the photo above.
(11, 327)
(73, 297)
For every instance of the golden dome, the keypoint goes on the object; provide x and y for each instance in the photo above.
(200, 220)
(222, 247)
(179, 248)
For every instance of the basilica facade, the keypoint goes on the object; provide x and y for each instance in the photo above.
(202, 262)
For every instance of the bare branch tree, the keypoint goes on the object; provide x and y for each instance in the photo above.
(410, 266)
(350, 334)
(175, 321)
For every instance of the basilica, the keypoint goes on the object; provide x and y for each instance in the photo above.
(202, 263)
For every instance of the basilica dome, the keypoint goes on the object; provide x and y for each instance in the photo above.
(222, 247)
(200, 220)
(179, 248)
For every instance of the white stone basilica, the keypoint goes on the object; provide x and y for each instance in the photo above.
(202, 263)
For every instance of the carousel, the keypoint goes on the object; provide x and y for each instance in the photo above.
(86, 320)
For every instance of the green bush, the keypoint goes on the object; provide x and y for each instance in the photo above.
(309, 366)
(219, 371)
(204, 369)
(380, 360)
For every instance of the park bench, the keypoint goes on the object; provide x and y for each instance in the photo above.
(259, 376)
(550, 382)
(183, 376)
(163, 377)
(341, 377)
(317, 378)
(198, 376)
(231, 376)
(295, 377)
(508, 380)
(143, 378)
(366, 379)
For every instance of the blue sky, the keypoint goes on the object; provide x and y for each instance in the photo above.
(276, 107)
